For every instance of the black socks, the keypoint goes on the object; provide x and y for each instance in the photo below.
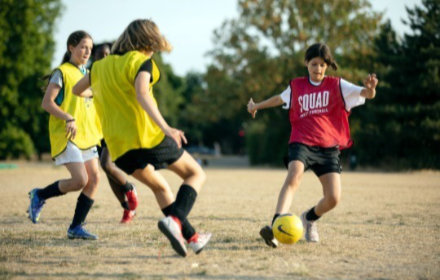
(187, 230)
(274, 218)
(83, 206)
(127, 187)
(125, 205)
(186, 196)
(311, 215)
(50, 191)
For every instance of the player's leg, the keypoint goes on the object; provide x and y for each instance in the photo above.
(291, 184)
(157, 183)
(331, 185)
(193, 178)
(85, 202)
(189, 170)
(326, 165)
(72, 159)
(165, 198)
(105, 161)
(124, 191)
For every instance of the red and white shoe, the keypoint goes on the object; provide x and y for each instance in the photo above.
(132, 198)
(199, 241)
(171, 228)
(128, 216)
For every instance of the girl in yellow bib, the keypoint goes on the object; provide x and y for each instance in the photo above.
(139, 139)
(74, 133)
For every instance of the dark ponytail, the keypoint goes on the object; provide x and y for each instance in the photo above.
(73, 40)
(322, 51)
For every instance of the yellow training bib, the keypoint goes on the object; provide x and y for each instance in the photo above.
(125, 124)
(82, 110)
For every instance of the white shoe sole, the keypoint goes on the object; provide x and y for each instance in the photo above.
(175, 243)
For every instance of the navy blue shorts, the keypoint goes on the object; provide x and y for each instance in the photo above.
(319, 160)
(160, 156)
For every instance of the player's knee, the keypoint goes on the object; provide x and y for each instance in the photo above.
(332, 201)
(158, 188)
(79, 182)
(197, 174)
(93, 178)
(202, 176)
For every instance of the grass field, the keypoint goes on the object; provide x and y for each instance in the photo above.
(386, 227)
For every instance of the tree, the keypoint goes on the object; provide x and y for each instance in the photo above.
(27, 47)
(260, 51)
(405, 119)
(168, 91)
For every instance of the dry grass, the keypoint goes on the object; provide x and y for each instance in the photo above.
(386, 227)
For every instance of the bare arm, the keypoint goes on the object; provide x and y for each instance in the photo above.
(273, 101)
(142, 85)
(49, 105)
(370, 84)
(82, 87)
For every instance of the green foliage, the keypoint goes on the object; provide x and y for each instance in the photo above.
(258, 53)
(402, 128)
(14, 143)
(26, 29)
(168, 91)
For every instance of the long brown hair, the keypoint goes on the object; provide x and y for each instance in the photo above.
(322, 51)
(141, 35)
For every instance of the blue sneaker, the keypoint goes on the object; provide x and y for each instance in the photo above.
(79, 232)
(35, 206)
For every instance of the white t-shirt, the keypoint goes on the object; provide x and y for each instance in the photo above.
(350, 92)
(57, 78)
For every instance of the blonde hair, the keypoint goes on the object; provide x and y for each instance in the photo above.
(141, 35)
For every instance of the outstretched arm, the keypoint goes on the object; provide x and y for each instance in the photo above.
(370, 84)
(82, 87)
(268, 103)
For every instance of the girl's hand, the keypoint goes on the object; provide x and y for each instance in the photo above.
(70, 129)
(251, 108)
(177, 135)
(371, 81)
(370, 84)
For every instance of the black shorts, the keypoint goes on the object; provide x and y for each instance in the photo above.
(319, 160)
(160, 156)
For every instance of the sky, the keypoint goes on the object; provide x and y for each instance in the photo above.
(187, 24)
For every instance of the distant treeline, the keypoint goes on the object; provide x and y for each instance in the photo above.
(255, 55)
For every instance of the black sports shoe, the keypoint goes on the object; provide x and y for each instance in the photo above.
(267, 234)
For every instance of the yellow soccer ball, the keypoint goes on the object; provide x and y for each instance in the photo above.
(288, 229)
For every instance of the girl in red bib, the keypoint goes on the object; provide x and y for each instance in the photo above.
(319, 107)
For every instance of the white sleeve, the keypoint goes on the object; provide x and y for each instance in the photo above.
(351, 94)
(57, 78)
(285, 96)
